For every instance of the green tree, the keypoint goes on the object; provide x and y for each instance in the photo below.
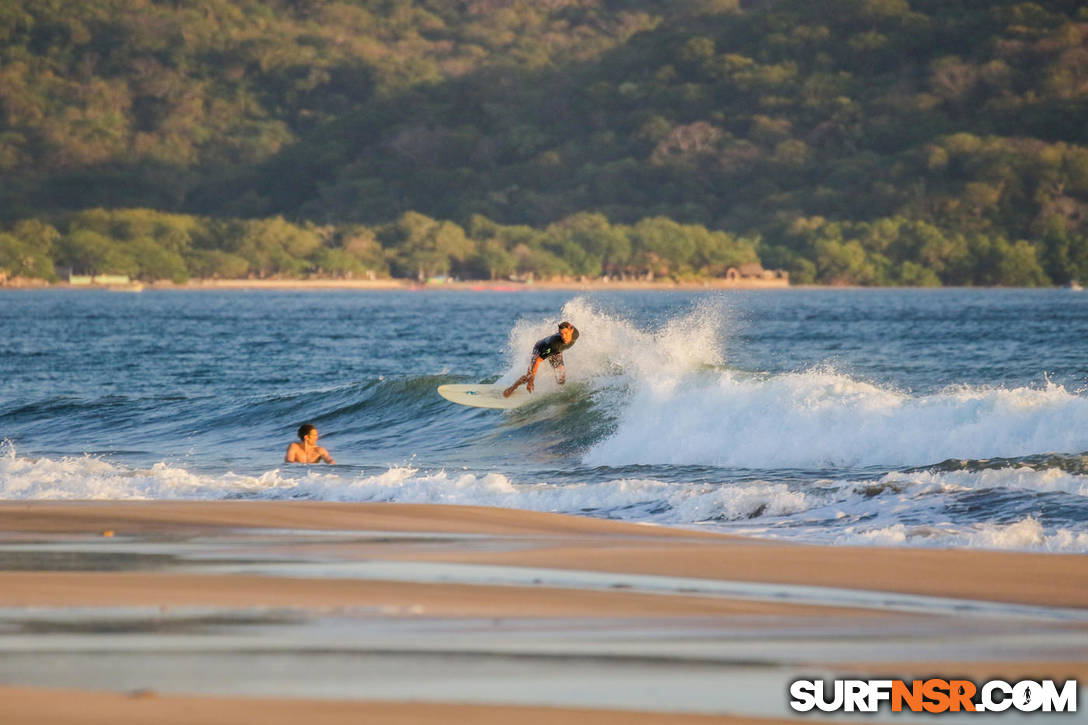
(217, 264)
(362, 245)
(915, 275)
(540, 263)
(20, 259)
(1019, 267)
(843, 263)
(154, 262)
(338, 263)
(88, 252)
(423, 247)
(662, 245)
(277, 247)
(605, 247)
(493, 260)
(997, 262)
(716, 252)
(36, 234)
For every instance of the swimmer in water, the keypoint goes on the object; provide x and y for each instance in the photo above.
(307, 450)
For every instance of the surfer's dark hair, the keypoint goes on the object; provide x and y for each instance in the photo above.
(304, 430)
(565, 324)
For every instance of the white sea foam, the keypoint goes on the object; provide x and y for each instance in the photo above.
(1026, 534)
(835, 511)
(821, 418)
(1010, 478)
(89, 478)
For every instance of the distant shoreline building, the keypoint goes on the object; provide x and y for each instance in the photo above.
(755, 274)
(101, 279)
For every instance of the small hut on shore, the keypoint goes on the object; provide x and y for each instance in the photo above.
(754, 273)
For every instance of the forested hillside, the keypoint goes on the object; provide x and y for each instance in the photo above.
(849, 141)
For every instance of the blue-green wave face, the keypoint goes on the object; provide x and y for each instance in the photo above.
(943, 418)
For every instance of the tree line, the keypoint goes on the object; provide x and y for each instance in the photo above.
(151, 245)
(850, 141)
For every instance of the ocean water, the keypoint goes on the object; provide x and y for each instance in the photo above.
(949, 418)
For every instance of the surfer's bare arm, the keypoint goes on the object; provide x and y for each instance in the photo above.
(527, 378)
(323, 455)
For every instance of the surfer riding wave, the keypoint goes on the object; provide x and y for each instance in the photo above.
(550, 349)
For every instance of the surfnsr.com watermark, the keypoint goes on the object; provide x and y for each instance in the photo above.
(933, 695)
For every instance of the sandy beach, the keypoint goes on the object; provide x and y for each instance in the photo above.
(231, 611)
(25, 705)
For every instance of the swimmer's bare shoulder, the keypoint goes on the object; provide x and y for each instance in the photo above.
(323, 455)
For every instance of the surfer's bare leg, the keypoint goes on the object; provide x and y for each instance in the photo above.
(559, 369)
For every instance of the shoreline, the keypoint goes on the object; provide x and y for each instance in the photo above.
(180, 611)
(405, 285)
(411, 285)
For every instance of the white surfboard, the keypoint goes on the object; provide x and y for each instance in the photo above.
(483, 395)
